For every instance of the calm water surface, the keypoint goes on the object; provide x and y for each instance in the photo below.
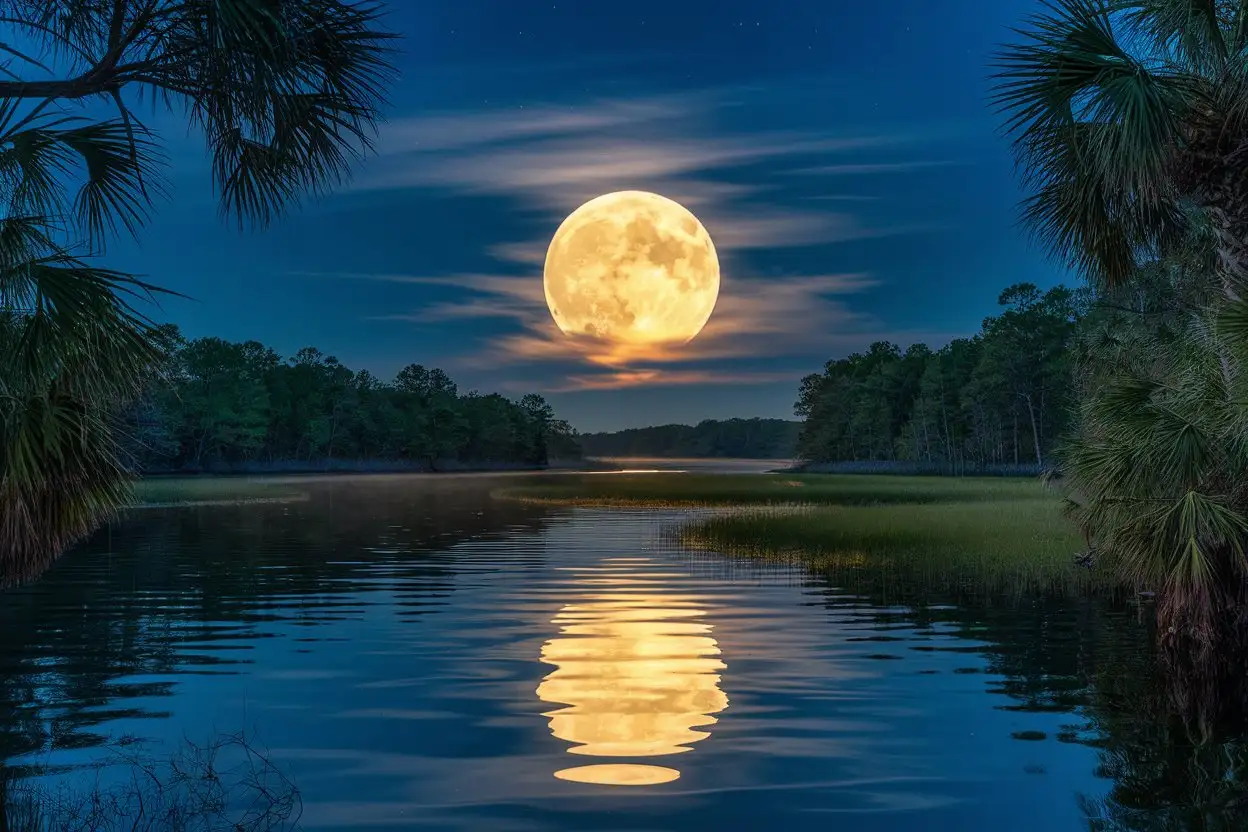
(420, 655)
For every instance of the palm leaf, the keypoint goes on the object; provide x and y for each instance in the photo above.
(1190, 30)
(291, 104)
(117, 164)
(1094, 128)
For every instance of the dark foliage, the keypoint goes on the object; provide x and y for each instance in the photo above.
(730, 439)
(1000, 398)
(240, 406)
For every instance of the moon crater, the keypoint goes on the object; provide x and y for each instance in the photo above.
(631, 267)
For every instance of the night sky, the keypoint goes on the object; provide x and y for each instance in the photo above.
(841, 154)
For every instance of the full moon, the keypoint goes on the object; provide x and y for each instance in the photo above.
(633, 268)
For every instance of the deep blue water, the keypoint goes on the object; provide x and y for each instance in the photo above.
(418, 655)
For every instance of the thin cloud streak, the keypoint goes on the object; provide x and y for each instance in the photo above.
(458, 311)
(752, 319)
(627, 379)
(551, 158)
(558, 168)
(773, 319)
(461, 130)
(526, 290)
(842, 198)
(877, 167)
(777, 229)
(527, 254)
(755, 318)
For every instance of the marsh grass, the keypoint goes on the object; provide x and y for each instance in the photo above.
(1022, 545)
(161, 492)
(980, 534)
(680, 490)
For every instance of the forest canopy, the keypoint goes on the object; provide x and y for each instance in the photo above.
(998, 400)
(241, 406)
(728, 438)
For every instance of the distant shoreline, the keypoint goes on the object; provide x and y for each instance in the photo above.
(235, 488)
(349, 467)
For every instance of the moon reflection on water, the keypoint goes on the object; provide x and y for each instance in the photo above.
(637, 675)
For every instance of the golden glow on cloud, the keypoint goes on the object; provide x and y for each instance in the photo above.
(632, 271)
(637, 675)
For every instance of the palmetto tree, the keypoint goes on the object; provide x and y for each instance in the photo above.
(1125, 112)
(1130, 123)
(1158, 465)
(286, 94)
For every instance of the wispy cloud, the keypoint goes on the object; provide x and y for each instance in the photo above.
(459, 130)
(532, 253)
(860, 169)
(550, 158)
(561, 171)
(760, 318)
(486, 296)
(624, 379)
(774, 320)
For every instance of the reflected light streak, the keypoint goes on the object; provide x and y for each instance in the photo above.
(636, 471)
(638, 675)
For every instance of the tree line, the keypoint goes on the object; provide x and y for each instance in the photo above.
(998, 400)
(228, 406)
(727, 438)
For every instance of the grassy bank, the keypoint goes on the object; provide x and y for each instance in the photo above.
(160, 492)
(279, 485)
(992, 533)
(1023, 544)
(676, 490)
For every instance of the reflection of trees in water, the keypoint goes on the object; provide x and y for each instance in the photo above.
(1176, 759)
(1167, 774)
(1176, 753)
(163, 592)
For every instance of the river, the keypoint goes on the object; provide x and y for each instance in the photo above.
(418, 654)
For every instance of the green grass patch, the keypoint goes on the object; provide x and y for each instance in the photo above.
(985, 534)
(158, 492)
(1016, 545)
(675, 490)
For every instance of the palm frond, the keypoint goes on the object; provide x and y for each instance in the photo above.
(1237, 27)
(75, 351)
(286, 92)
(66, 31)
(120, 172)
(1194, 32)
(121, 168)
(1129, 119)
(1231, 322)
(292, 101)
(22, 56)
(62, 466)
(33, 166)
(1094, 128)
(61, 475)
